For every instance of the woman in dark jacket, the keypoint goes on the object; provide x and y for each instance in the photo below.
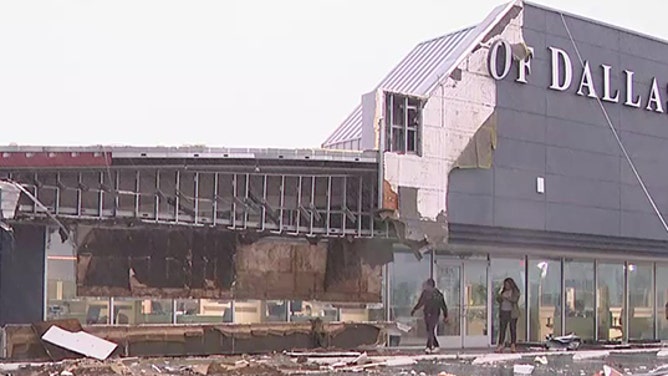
(509, 312)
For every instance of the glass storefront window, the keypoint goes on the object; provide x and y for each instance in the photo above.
(360, 312)
(579, 294)
(502, 268)
(305, 310)
(257, 311)
(641, 301)
(544, 298)
(62, 301)
(136, 311)
(407, 275)
(662, 300)
(610, 301)
(195, 311)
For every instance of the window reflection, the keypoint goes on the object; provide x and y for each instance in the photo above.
(196, 311)
(515, 269)
(406, 284)
(258, 311)
(62, 301)
(641, 301)
(360, 312)
(301, 310)
(135, 311)
(610, 301)
(544, 298)
(579, 284)
(448, 280)
(662, 302)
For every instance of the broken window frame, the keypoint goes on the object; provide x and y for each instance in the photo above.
(401, 136)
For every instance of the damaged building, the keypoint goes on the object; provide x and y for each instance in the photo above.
(528, 146)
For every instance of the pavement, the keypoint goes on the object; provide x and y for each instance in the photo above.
(383, 362)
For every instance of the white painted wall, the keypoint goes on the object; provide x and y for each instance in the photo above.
(452, 115)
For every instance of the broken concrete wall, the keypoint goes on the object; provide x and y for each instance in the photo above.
(186, 262)
(333, 271)
(22, 342)
(454, 114)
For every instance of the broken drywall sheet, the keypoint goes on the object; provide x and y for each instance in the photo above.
(80, 343)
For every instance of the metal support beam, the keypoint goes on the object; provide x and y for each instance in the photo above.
(284, 203)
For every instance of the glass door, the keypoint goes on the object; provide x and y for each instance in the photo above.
(477, 319)
(448, 277)
(465, 285)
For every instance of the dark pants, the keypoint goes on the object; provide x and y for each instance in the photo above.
(431, 321)
(505, 319)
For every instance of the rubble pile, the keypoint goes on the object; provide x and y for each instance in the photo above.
(74, 352)
(233, 366)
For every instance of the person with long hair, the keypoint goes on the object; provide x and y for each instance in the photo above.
(509, 311)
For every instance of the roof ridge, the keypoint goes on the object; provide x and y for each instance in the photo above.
(447, 35)
(422, 67)
(597, 21)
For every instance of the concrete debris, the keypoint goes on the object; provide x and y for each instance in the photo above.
(541, 359)
(494, 358)
(445, 374)
(590, 355)
(609, 371)
(329, 354)
(569, 342)
(523, 369)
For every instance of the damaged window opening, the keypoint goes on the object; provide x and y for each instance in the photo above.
(404, 121)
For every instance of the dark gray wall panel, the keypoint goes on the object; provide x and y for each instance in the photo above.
(564, 138)
(471, 209)
(22, 278)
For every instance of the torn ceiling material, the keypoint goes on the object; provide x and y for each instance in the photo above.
(178, 262)
(186, 262)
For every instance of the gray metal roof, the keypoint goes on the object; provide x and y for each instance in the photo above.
(202, 152)
(421, 70)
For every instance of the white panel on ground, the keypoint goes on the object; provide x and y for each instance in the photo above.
(494, 358)
(522, 369)
(590, 355)
(80, 343)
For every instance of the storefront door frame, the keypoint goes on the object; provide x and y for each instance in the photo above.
(466, 266)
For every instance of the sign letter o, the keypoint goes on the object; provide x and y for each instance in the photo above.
(493, 59)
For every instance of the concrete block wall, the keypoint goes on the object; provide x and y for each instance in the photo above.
(452, 115)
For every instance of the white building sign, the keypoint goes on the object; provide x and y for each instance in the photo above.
(500, 64)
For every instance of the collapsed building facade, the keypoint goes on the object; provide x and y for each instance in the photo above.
(529, 146)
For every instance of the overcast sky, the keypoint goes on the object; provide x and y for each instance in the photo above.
(221, 73)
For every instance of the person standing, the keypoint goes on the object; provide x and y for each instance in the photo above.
(432, 303)
(509, 311)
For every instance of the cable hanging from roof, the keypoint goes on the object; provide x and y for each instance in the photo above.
(616, 135)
